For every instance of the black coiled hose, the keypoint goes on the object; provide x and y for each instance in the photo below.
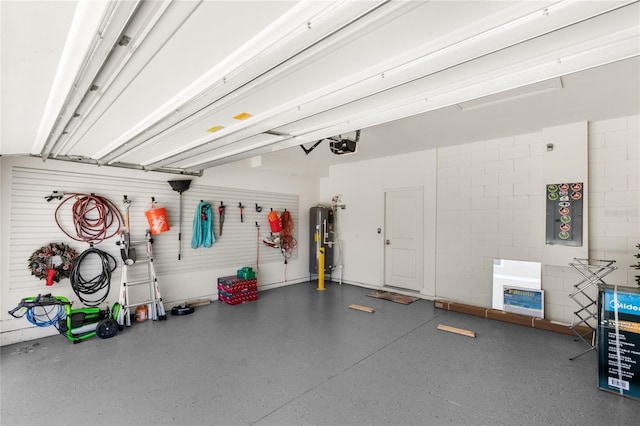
(83, 287)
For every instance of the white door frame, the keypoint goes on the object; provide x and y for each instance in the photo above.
(420, 275)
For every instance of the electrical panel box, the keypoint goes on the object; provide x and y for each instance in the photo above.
(322, 234)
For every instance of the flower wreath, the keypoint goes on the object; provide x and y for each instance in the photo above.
(41, 262)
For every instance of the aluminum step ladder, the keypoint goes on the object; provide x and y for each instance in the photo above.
(154, 302)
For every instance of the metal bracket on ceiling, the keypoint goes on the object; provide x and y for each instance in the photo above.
(85, 160)
(308, 150)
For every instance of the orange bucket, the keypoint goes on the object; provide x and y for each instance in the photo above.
(157, 218)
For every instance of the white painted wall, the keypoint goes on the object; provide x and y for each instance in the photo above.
(362, 186)
(175, 287)
(567, 161)
(489, 203)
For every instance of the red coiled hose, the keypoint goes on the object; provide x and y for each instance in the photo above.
(95, 218)
(287, 242)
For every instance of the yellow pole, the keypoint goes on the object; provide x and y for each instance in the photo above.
(321, 268)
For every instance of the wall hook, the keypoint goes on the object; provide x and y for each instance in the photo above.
(57, 195)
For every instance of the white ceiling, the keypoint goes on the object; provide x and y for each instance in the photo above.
(596, 94)
(406, 73)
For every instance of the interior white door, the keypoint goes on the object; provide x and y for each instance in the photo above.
(404, 245)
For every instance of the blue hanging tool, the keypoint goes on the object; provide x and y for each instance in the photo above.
(203, 226)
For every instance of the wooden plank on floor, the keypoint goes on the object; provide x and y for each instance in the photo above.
(456, 330)
(198, 302)
(513, 318)
(362, 308)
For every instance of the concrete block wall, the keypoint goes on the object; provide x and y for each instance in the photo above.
(490, 198)
(614, 212)
(614, 188)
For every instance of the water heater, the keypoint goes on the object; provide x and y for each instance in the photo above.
(322, 233)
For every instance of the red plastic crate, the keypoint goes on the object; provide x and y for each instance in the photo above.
(238, 287)
(236, 298)
(232, 280)
(229, 280)
(234, 290)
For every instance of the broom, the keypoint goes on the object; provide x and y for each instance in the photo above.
(180, 186)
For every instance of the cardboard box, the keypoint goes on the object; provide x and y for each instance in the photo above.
(619, 340)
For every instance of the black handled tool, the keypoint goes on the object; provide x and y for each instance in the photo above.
(221, 209)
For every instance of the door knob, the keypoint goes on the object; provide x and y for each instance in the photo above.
(388, 242)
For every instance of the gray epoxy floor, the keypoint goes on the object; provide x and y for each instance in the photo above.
(302, 357)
